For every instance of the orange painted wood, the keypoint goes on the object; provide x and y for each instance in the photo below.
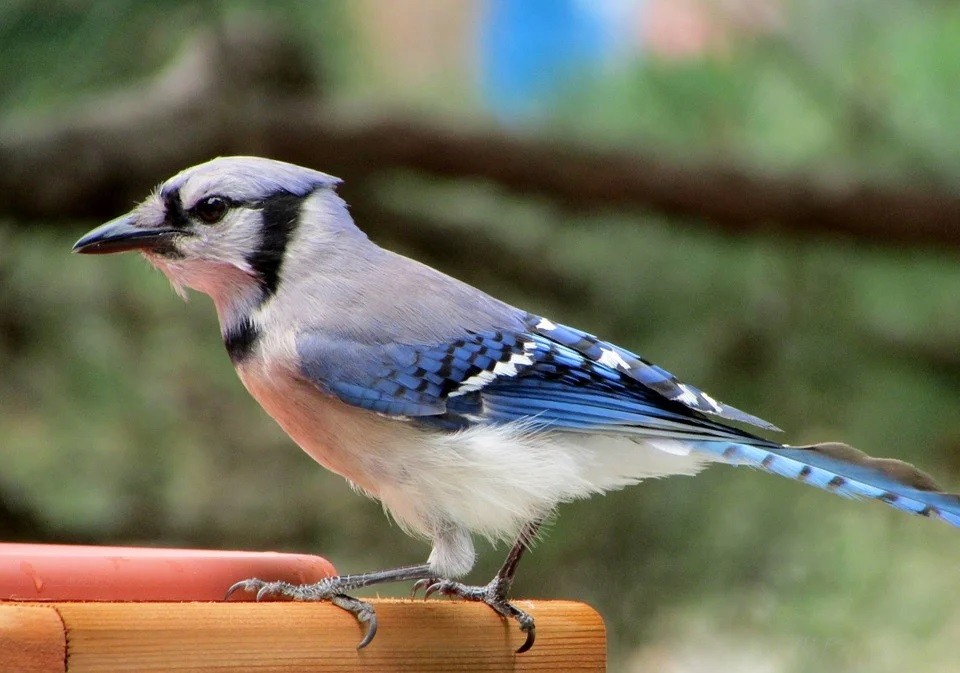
(436, 635)
(76, 572)
(32, 639)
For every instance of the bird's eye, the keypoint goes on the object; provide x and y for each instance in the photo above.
(211, 209)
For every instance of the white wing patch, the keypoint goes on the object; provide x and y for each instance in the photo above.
(712, 402)
(545, 324)
(474, 383)
(688, 397)
(508, 368)
(612, 359)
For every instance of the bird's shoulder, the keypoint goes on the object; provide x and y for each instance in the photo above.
(544, 364)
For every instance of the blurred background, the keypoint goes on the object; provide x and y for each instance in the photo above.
(759, 195)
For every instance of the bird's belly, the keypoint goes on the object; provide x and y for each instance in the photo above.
(487, 479)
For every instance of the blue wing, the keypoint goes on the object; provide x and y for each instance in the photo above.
(634, 367)
(550, 373)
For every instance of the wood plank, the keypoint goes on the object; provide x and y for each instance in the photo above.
(31, 639)
(293, 637)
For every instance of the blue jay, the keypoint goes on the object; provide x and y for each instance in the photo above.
(462, 414)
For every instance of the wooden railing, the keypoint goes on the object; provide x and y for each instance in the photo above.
(69, 609)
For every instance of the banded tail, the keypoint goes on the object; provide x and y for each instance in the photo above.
(848, 472)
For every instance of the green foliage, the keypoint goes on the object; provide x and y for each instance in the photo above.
(53, 50)
(855, 88)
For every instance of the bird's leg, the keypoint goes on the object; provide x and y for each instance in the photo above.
(332, 589)
(494, 593)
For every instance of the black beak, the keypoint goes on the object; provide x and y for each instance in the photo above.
(121, 235)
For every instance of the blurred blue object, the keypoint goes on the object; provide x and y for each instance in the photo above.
(530, 49)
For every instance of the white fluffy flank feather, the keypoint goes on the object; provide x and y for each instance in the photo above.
(494, 479)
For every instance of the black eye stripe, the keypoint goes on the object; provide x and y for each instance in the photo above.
(281, 213)
(176, 217)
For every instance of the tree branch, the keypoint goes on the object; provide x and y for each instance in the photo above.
(98, 160)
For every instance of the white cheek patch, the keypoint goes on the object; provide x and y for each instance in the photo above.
(231, 241)
(214, 259)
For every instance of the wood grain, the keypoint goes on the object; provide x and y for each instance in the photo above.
(293, 637)
(31, 639)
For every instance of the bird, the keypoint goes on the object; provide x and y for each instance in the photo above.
(463, 415)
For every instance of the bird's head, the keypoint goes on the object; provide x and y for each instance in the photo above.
(223, 227)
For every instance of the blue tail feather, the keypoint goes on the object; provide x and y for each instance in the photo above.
(847, 472)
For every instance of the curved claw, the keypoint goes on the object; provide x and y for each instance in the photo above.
(371, 630)
(323, 590)
(362, 611)
(418, 585)
(493, 594)
(243, 585)
(432, 589)
(531, 632)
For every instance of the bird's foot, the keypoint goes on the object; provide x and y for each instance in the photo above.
(493, 594)
(327, 589)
